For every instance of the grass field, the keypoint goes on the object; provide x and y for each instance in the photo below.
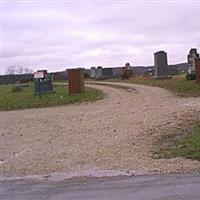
(178, 85)
(187, 146)
(26, 99)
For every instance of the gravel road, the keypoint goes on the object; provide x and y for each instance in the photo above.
(113, 133)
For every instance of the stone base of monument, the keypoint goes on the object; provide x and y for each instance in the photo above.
(100, 78)
(162, 77)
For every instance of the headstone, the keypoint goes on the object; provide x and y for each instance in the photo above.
(128, 65)
(191, 71)
(76, 80)
(93, 72)
(127, 72)
(161, 66)
(43, 82)
(99, 73)
(197, 63)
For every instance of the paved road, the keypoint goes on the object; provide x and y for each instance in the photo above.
(158, 187)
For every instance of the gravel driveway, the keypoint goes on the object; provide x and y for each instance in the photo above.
(114, 133)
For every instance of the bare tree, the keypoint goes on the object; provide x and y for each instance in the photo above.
(11, 69)
(27, 70)
(18, 70)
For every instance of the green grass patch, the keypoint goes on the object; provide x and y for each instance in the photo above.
(26, 99)
(178, 85)
(186, 145)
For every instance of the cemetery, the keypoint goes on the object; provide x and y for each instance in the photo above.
(118, 132)
(100, 100)
(114, 133)
(43, 93)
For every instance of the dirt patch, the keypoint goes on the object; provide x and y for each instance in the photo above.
(126, 88)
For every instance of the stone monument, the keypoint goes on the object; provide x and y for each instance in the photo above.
(76, 80)
(99, 73)
(197, 64)
(191, 70)
(93, 72)
(161, 66)
(127, 72)
(128, 65)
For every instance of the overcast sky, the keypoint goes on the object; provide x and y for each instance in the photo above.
(58, 35)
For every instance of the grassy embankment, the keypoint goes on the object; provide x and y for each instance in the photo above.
(180, 145)
(26, 99)
(178, 85)
(176, 144)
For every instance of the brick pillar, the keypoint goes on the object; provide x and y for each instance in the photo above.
(76, 81)
(197, 64)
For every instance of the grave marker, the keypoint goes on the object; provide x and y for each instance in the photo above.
(161, 66)
(197, 64)
(76, 80)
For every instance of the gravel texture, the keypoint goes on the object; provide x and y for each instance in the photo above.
(114, 133)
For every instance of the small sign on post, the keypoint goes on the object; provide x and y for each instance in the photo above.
(43, 82)
(39, 74)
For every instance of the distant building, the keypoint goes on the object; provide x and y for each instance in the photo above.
(107, 72)
(59, 76)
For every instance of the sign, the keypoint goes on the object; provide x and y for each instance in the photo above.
(39, 74)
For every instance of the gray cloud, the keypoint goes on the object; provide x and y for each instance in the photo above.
(60, 35)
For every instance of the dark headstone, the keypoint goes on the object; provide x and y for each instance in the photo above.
(107, 72)
(43, 85)
(191, 70)
(161, 66)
